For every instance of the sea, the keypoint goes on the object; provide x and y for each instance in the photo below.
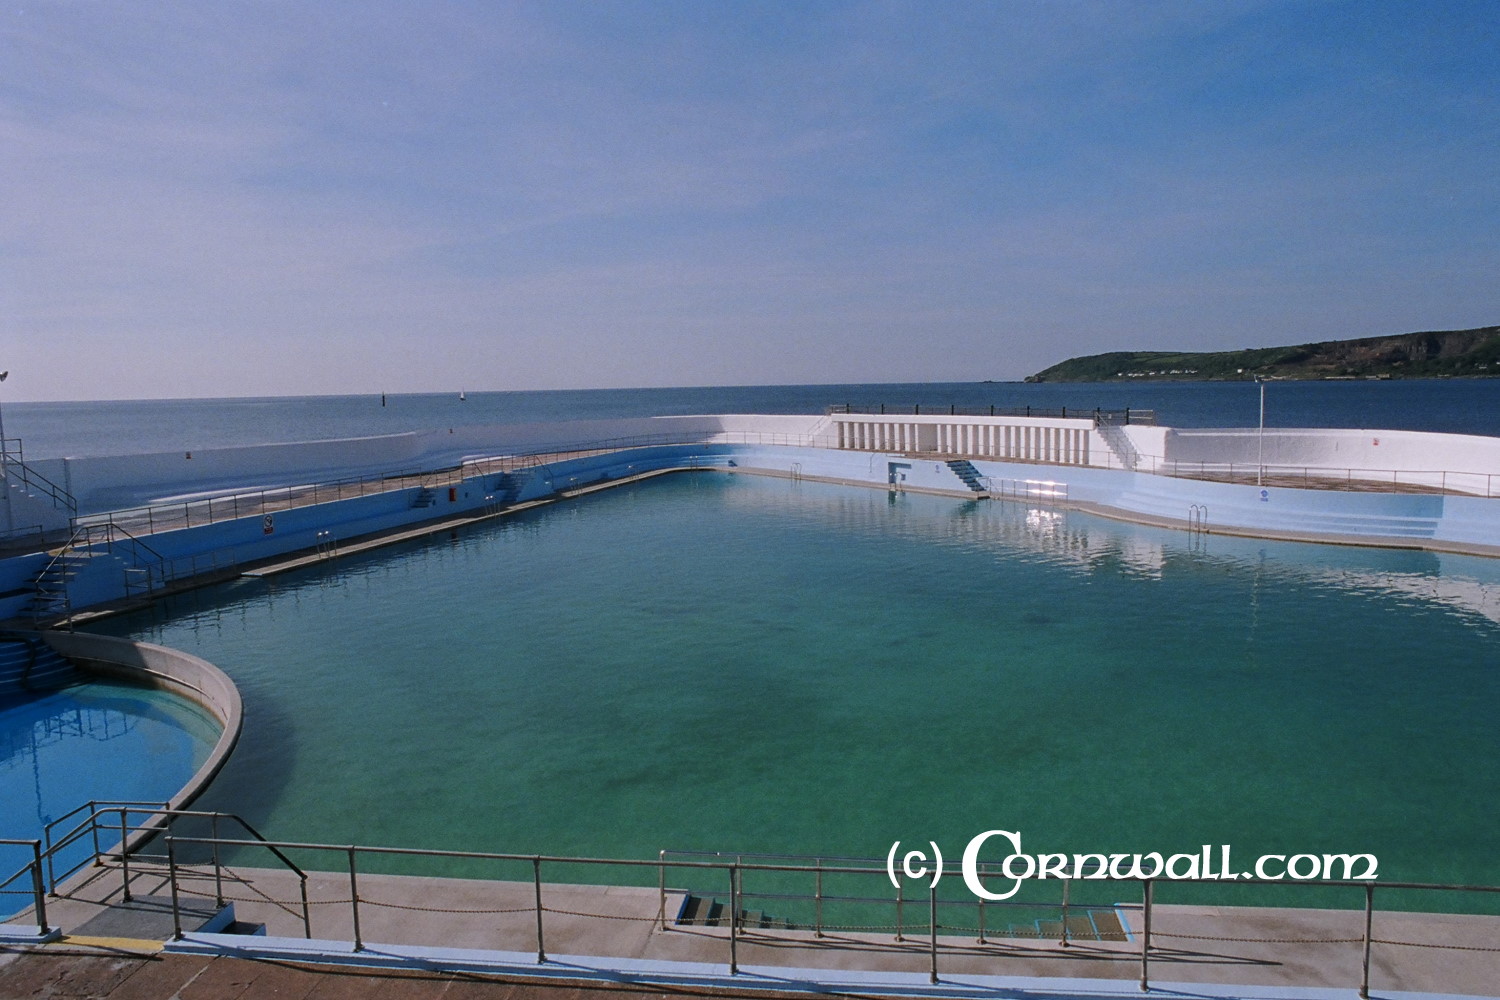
(124, 427)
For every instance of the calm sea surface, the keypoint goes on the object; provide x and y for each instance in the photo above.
(54, 430)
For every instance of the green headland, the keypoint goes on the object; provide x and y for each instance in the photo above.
(1436, 354)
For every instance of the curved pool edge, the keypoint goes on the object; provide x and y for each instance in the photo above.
(180, 673)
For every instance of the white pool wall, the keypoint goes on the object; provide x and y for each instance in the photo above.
(1088, 473)
(1468, 461)
(116, 482)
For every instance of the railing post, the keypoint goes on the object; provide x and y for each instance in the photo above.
(124, 858)
(1146, 936)
(661, 887)
(818, 901)
(536, 876)
(93, 831)
(1364, 982)
(38, 893)
(900, 898)
(218, 872)
(359, 944)
(306, 910)
(734, 919)
(1067, 886)
(932, 927)
(172, 878)
(981, 921)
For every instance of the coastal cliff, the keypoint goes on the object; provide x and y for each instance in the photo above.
(1437, 354)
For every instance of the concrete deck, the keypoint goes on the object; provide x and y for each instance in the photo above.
(440, 525)
(486, 928)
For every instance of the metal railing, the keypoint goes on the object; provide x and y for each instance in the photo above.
(113, 818)
(153, 518)
(1041, 490)
(1197, 517)
(730, 873)
(150, 519)
(1312, 477)
(1125, 416)
(922, 920)
(1315, 477)
(826, 903)
(36, 890)
(13, 466)
(147, 572)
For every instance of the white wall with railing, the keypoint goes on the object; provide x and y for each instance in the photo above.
(23, 512)
(1463, 462)
(244, 508)
(112, 482)
(1056, 440)
(1069, 442)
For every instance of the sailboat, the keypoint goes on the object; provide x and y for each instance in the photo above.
(461, 397)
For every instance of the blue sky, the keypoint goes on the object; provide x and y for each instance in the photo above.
(264, 198)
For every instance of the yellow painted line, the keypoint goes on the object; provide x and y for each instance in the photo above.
(142, 945)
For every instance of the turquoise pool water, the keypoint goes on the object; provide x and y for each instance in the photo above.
(102, 740)
(750, 664)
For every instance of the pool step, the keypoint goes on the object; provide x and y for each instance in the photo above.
(508, 487)
(50, 587)
(964, 469)
(1091, 925)
(27, 663)
(1094, 924)
(705, 911)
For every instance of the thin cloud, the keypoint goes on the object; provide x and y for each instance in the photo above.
(265, 197)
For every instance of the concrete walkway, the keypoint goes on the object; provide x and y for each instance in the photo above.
(484, 928)
(436, 526)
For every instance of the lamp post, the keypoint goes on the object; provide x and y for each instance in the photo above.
(1260, 440)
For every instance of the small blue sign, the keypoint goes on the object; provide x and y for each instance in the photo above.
(1265, 496)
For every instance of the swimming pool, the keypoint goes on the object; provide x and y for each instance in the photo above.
(93, 741)
(743, 663)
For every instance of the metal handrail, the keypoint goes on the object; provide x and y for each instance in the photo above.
(29, 477)
(88, 825)
(41, 594)
(1400, 481)
(159, 817)
(1128, 415)
(735, 868)
(111, 527)
(1410, 481)
(232, 498)
(37, 892)
(255, 503)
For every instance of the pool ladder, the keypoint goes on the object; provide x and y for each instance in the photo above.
(1197, 526)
